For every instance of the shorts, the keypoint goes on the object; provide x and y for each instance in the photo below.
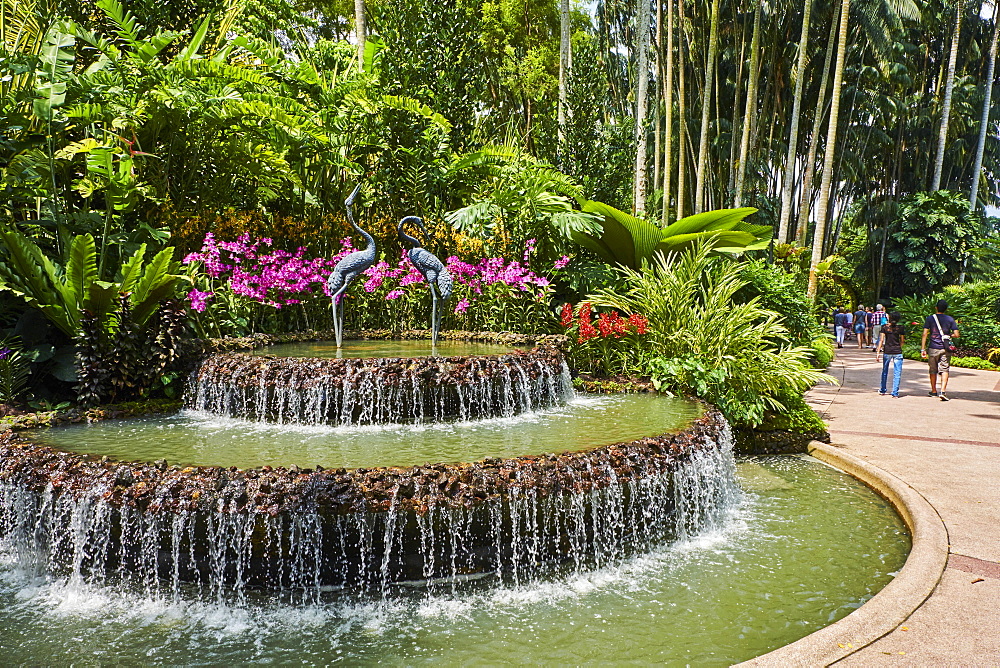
(938, 361)
(859, 328)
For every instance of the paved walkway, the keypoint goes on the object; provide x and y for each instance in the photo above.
(949, 452)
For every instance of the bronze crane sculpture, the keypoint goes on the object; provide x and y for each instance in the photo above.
(349, 267)
(431, 268)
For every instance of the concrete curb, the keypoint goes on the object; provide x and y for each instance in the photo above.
(885, 611)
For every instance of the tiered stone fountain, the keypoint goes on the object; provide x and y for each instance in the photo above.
(309, 529)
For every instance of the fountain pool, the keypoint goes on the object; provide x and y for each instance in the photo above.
(457, 510)
(193, 438)
(805, 546)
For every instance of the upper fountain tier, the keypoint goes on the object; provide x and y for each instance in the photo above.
(382, 390)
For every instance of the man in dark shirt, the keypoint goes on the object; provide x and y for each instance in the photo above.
(941, 328)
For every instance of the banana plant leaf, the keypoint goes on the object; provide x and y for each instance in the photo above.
(61, 292)
(630, 241)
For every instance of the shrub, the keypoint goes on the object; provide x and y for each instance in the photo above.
(777, 291)
(701, 341)
(611, 344)
(13, 372)
(974, 363)
(976, 306)
(822, 351)
(798, 416)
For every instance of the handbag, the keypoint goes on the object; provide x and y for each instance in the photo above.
(949, 347)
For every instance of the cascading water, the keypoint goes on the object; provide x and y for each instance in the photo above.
(378, 391)
(515, 519)
(519, 519)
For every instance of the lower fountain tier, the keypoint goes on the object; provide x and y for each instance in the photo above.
(378, 391)
(230, 528)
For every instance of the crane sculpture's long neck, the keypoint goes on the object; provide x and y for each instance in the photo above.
(369, 240)
(403, 236)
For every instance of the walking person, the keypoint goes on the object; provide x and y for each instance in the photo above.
(860, 318)
(889, 350)
(840, 326)
(879, 319)
(941, 328)
(870, 340)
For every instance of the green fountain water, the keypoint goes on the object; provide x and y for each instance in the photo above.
(200, 439)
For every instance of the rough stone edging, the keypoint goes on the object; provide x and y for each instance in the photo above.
(894, 604)
(159, 487)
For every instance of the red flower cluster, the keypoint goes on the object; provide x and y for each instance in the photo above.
(566, 317)
(609, 325)
(587, 331)
(640, 323)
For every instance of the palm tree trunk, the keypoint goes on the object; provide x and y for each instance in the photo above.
(565, 65)
(949, 85)
(984, 122)
(751, 106)
(787, 181)
(360, 31)
(658, 68)
(706, 101)
(668, 96)
(737, 90)
(831, 149)
(681, 114)
(642, 84)
(807, 178)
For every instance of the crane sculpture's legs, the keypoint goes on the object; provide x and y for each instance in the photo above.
(434, 317)
(338, 315)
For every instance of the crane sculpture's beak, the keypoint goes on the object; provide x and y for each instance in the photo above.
(350, 198)
(423, 229)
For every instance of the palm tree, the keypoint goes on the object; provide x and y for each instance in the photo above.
(802, 60)
(681, 113)
(828, 155)
(949, 85)
(668, 97)
(807, 178)
(360, 31)
(751, 106)
(984, 122)
(565, 67)
(706, 101)
(642, 15)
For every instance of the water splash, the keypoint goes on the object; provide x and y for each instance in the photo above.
(378, 391)
(520, 536)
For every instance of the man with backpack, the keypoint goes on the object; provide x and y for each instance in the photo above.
(941, 328)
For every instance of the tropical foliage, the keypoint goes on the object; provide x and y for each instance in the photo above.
(65, 292)
(700, 340)
(614, 151)
(631, 242)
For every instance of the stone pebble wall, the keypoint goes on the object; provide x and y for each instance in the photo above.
(158, 487)
(779, 442)
(242, 369)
